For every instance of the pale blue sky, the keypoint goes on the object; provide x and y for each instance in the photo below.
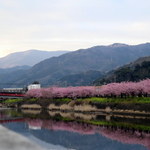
(71, 24)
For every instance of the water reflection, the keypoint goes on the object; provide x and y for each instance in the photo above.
(62, 130)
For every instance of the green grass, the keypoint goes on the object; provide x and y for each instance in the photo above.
(117, 100)
(9, 101)
(130, 100)
(31, 99)
(63, 100)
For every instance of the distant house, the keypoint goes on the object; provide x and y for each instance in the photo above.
(34, 85)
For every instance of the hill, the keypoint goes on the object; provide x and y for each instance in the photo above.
(80, 79)
(99, 58)
(135, 71)
(27, 58)
(9, 70)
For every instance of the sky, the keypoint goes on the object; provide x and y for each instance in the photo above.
(71, 24)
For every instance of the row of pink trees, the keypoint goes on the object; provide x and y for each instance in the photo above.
(126, 89)
(123, 89)
(60, 92)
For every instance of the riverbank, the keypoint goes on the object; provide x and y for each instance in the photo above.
(136, 105)
(52, 126)
(8, 142)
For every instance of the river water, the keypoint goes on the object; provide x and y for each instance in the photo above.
(54, 130)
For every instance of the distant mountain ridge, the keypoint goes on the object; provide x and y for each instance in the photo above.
(98, 58)
(27, 58)
(118, 45)
(9, 70)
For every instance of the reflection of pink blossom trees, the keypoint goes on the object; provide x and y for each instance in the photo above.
(128, 137)
(118, 134)
(60, 125)
(123, 89)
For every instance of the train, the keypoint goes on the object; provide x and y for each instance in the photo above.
(18, 92)
(13, 92)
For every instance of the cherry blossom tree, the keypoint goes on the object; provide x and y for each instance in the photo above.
(123, 89)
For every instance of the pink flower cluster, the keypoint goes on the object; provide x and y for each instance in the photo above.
(60, 92)
(123, 89)
(126, 89)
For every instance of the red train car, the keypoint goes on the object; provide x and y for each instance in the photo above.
(12, 92)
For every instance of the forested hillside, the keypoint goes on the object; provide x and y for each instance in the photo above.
(135, 71)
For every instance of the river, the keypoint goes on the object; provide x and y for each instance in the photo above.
(54, 130)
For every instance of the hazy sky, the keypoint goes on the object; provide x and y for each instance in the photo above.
(71, 24)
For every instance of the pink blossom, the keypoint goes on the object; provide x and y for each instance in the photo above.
(123, 89)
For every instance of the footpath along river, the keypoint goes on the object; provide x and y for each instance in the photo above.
(10, 140)
(55, 130)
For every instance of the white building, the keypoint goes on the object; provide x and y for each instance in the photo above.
(34, 86)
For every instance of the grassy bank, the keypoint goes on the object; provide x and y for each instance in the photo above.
(134, 100)
(117, 100)
(136, 105)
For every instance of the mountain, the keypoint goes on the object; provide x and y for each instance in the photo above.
(135, 71)
(9, 70)
(80, 79)
(28, 58)
(100, 58)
